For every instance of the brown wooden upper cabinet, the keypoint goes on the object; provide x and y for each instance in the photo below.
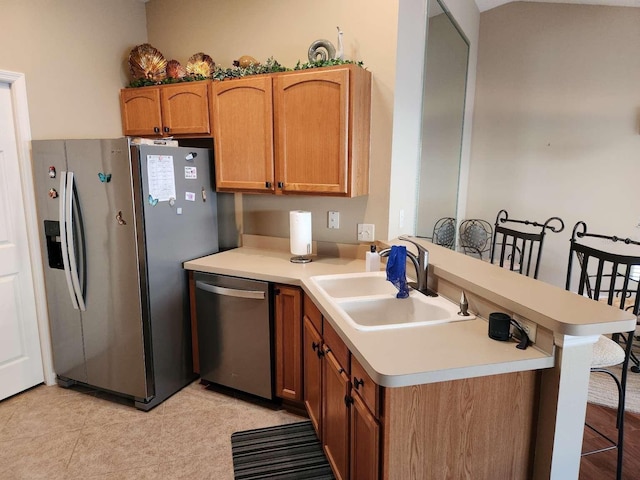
(180, 109)
(242, 113)
(302, 132)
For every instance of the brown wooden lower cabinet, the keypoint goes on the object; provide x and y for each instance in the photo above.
(476, 428)
(335, 415)
(312, 356)
(365, 424)
(288, 342)
(365, 442)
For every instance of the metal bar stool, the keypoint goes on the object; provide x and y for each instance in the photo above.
(444, 232)
(475, 237)
(605, 274)
(520, 250)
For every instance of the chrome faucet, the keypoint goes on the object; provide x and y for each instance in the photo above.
(420, 262)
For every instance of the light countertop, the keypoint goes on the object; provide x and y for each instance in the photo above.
(434, 353)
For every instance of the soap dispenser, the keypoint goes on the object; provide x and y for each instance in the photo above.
(372, 260)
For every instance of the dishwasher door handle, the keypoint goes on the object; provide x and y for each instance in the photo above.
(230, 292)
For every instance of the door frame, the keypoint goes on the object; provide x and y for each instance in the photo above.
(17, 85)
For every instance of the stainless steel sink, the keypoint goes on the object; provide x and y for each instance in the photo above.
(367, 301)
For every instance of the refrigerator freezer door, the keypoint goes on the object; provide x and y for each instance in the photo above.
(108, 266)
(49, 163)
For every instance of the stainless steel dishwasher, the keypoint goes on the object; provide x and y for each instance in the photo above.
(234, 332)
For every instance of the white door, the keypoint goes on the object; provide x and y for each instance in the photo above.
(20, 356)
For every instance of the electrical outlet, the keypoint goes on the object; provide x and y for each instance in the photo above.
(333, 220)
(366, 232)
(528, 326)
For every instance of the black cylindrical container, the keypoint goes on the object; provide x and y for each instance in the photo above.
(499, 326)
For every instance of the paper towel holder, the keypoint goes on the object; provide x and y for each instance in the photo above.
(300, 236)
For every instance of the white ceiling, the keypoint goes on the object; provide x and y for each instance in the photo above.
(489, 4)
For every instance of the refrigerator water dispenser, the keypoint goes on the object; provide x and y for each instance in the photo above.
(54, 247)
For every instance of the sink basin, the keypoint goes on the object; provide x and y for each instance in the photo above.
(355, 284)
(367, 301)
(385, 313)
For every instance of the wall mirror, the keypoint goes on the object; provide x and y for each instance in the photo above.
(443, 102)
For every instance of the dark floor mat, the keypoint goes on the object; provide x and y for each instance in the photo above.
(284, 452)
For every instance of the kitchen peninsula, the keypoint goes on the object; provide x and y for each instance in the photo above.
(454, 402)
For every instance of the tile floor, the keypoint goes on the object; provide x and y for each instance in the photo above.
(54, 433)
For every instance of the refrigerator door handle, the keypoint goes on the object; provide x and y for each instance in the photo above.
(73, 267)
(230, 292)
(63, 237)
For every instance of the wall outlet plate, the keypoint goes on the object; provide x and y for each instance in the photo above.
(366, 232)
(333, 220)
(527, 325)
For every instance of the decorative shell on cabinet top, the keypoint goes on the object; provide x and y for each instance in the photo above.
(146, 62)
(175, 70)
(200, 64)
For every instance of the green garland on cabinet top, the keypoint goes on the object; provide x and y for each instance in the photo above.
(270, 66)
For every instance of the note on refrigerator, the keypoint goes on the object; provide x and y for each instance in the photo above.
(162, 181)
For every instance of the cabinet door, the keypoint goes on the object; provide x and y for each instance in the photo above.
(288, 342)
(311, 122)
(185, 108)
(242, 112)
(335, 415)
(365, 442)
(140, 111)
(312, 351)
(365, 386)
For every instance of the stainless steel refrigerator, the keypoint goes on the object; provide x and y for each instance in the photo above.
(116, 224)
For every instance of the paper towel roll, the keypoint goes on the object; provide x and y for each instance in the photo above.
(300, 232)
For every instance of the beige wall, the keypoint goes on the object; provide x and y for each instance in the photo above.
(284, 29)
(556, 125)
(72, 53)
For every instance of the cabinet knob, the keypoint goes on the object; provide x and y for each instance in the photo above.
(166, 129)
(348, 400)
(314, 346)
(156, 129)
(357, 382)
(280, 185)
(267, 184)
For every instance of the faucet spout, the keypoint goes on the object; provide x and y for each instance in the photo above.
(422, 267)
(386, 251)
(420, 262)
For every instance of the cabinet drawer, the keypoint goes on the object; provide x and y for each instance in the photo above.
(333, 341)
(369, 391)
(312, 312)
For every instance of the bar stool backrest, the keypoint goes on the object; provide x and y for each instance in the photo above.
(519, 246)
